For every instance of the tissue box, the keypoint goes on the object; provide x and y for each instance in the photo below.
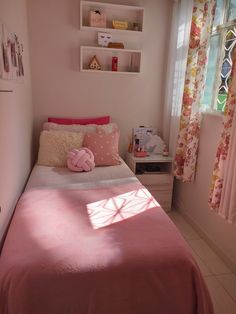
(97, 19)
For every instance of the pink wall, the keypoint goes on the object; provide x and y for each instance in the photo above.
(192, 198)
(60, 89)
(16, 119)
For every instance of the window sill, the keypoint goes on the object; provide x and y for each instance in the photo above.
(214, 113)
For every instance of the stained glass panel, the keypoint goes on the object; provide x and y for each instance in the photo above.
(226, 69)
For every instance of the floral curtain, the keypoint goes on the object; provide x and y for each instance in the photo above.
(188, 138)
(222, 191)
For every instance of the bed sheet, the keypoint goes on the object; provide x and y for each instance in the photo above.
(52, 177)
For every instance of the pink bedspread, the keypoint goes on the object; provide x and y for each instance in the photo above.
(100, 251)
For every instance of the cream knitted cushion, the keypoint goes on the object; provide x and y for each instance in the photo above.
(55, 145)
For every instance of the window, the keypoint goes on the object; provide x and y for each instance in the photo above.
(222, 43)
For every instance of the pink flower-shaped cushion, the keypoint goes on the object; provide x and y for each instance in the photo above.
(80, 160)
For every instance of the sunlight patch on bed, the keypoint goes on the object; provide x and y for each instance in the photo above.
(121, 207)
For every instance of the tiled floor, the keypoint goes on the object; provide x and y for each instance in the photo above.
(219, 278)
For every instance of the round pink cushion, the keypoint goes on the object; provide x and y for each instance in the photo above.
(80, 160)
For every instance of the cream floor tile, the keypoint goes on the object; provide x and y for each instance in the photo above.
(210, 259)
(220, 280)
(204, 270)
(229, 283)
(184, 227)
(223, 303)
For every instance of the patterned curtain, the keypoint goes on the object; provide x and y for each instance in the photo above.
(222, 190)
(188, 138)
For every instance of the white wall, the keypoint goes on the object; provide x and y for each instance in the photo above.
(192, 198)
(60, 89)
(16, 119)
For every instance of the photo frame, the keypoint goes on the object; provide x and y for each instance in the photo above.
(11, 55)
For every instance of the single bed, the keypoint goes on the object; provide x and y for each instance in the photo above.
(96, 243)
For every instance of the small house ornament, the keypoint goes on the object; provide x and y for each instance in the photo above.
(94, 64)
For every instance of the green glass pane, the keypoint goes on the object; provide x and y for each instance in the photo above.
(211, 72)
(232, 10)
(219, 15)
(221, 102)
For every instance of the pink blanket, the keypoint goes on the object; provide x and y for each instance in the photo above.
(100, 251)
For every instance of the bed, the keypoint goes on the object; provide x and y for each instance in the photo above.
(96, 243)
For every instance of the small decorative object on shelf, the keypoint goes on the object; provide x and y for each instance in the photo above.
(94, 64)
(141, 136)
(154, 144)
(136, 143)
(141, 153)
(114, 64)
(120, 24)
(97, 19)
(131, 144)
(165, 151)
(104, 39)
(131, 63)
(116, 45)
(136, 26)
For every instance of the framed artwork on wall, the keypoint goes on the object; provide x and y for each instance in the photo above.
(11, 55)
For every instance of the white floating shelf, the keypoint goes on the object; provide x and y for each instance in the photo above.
(130, 14)
(129, 61)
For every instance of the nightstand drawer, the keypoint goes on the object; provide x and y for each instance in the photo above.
(156, 179)
(163, 197)
(155, 173)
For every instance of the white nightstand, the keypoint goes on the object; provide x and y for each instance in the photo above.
(155, 173)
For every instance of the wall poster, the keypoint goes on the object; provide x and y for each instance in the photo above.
(11, 55)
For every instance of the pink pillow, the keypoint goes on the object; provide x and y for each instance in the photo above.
(80, 160)
(104, 147)
(67, 121)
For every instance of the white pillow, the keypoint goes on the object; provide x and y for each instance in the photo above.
(88, 128)
(55, 145)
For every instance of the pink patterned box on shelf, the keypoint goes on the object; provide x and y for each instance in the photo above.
(97, 19)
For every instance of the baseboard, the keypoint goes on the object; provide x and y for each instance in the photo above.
(231, 265)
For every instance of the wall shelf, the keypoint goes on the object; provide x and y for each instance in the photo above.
(130, 14)
(129, 61)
